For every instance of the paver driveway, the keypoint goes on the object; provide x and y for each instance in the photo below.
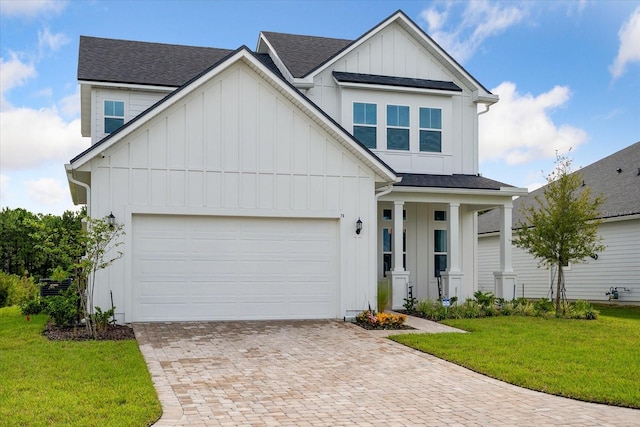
(331, 373)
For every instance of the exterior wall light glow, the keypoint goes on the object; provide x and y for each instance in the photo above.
(111, 220)
(358, 226)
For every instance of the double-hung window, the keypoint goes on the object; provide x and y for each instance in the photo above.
(364, 123)
(397, 127)
(431, 130)
(113, 115)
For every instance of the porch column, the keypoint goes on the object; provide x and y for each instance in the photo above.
(505, 279)
(452, 278)
(399, 277)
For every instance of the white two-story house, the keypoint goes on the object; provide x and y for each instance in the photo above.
(285, 182)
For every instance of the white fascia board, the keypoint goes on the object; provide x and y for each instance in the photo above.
(390, 88)
(274, 57)
(292, 94)
(154, 88)
(484, 98)
(426, 42)
(144, 118)
(504, 191)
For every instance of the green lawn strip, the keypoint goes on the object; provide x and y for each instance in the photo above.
(86, 383)
(591, 360)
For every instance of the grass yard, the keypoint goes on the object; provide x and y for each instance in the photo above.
(90, 383)
(591, 360)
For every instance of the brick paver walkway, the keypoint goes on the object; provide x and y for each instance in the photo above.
(331, 373)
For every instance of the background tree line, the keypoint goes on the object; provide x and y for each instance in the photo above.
(35, 245)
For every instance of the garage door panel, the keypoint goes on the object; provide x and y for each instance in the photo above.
(224, 268)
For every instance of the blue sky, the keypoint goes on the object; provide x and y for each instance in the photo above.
(567, 72)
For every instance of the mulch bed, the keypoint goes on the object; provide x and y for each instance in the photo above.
(80, 333)
(370, 327)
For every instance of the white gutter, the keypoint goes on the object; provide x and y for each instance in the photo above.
(86, 186)
(385, 190)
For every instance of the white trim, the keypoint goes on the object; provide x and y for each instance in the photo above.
(308, 108)
(395, 89)
(442, 56)
(97, 83)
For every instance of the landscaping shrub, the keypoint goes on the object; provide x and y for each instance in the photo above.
(64, 308)
(102, 319)
(33, 306)
(486, 305)
(14, 290)
(371, 320)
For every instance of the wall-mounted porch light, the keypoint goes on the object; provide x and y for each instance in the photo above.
(111, 220)
(358, 226)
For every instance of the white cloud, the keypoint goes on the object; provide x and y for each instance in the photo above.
(519, 129)
(30, 8)
(13, 73)
(31, 138)
(47, 191)
(70, 104)
(480, 20)
(48, 41)
(629, 50)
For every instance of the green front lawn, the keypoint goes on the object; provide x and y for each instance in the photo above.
(592, 360)
(90, 383)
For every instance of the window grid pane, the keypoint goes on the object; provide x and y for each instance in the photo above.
(431, 140)
(397, 115)
(440, 241)
(364, 114)
(366, 135)
(397, 139)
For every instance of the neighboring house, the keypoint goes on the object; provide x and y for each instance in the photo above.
(617, 177)
(268, 184)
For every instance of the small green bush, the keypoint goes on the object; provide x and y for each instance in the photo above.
(33, 306)
(102, 319)
(14, 290)
(64, 308)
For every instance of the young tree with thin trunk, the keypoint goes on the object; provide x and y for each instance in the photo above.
(562, 226)
(101, 250)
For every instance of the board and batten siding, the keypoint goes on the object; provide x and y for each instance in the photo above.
(236, 146)
(617, 266)
(135, 102)
(394, 52)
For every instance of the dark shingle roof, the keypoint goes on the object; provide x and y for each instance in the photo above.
(473, 182)
(620, 189)
(124, 61)
(395, 81)
(303, 54)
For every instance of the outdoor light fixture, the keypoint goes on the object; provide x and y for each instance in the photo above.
(111, 220)
(358, 226)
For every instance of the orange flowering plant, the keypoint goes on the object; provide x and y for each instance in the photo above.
(371, 320)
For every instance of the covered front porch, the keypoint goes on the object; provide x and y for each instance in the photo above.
(435, 255)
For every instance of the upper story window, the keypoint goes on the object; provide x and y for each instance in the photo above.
(113, 115)
(431, 130)
(364, 123)
(397, 127)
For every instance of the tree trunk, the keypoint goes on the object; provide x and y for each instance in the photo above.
(558, 288)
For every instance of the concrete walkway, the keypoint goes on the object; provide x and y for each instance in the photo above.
(332, 373)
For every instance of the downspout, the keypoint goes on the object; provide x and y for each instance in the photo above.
(487, 106)
(385, 190)
(81, 184)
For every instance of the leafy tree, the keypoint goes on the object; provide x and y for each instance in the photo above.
(563, 227)
(38, 244)
(101, 242)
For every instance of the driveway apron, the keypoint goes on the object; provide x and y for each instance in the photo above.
(332, 373)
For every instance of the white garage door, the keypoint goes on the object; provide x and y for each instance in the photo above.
(232, 268)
